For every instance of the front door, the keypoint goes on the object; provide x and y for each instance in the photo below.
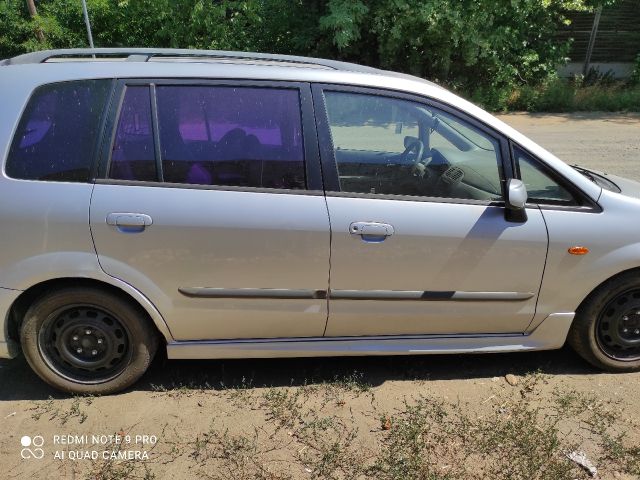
(212, 208)
(420, 244)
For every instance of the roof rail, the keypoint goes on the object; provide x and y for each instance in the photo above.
(145, 54)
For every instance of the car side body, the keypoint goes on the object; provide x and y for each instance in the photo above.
(237, 271)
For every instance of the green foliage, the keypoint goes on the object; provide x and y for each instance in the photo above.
(481, 48)
(562, 95)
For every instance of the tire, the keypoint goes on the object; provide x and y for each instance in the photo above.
(87, 341)
(606, 330)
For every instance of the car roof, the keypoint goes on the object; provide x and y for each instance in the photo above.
(198, 56)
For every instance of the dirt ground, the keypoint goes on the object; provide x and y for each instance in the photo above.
(433, 417)
(609, 142)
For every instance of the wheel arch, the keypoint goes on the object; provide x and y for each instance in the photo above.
(27, 297)
(628, 271)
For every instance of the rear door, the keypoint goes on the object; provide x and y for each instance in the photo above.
(210, 203)
(420, 243)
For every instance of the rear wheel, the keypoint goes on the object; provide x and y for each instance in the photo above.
(606, 331)
(87, 341)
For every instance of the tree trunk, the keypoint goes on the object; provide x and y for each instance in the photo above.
(34, 13)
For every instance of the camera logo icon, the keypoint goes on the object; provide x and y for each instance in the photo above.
(31, 447)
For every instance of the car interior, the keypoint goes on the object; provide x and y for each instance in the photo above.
(443, 159)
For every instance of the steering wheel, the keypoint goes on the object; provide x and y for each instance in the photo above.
(416, 148)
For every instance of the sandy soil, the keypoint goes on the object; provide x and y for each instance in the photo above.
(606, 141)
(348, 418)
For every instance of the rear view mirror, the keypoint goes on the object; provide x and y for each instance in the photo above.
(516, 201)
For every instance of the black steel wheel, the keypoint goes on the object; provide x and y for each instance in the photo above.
(618, 327)
(87, 340)
(606, 330)
(84, 343)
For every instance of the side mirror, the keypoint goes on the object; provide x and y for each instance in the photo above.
(516, 200)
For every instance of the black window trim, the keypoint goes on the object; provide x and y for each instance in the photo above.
(329, 165)
(313, 172)
(585, 203)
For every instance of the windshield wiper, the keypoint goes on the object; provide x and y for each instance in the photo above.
(585, 172)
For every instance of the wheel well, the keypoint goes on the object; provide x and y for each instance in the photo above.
(635, 270)
(26, 298)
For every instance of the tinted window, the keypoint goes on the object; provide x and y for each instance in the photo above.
(237, 136)
(392, 146)
(133, 156)
(541, 187)
(56, 136)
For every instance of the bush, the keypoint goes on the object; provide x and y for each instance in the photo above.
(562, 95)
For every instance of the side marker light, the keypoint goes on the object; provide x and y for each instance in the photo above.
(578, 250)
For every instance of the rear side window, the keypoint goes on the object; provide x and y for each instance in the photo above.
(57, 134)
(231, 136)
(211, 135)
(133, 154)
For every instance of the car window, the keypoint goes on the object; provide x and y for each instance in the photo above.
(541, 187)
(133, 154)
(391, 146)
(231, 136)
(56, 136)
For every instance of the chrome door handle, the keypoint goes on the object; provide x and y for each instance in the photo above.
(371, 231)
(129, 222)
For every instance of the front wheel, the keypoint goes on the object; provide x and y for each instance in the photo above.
(606, 331)
(87, 341)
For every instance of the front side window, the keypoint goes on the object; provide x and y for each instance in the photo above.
(57, 134)
(231, 136)
(390, 146)
(541, 187)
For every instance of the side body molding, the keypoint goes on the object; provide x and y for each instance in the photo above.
(550, 334)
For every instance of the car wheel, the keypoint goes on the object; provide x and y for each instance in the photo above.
(606, 331)
(87, 341)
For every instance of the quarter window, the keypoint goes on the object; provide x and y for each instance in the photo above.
(541, 187)
(57, 134)
(391, 146)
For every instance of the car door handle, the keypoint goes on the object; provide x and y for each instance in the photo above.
(371, 231)
(129, 222)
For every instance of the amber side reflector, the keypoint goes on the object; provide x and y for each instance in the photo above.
(578, 250)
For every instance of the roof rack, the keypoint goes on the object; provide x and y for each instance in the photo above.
(146, 54)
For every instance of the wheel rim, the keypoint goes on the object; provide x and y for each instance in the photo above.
(618, 328)
(85, 344)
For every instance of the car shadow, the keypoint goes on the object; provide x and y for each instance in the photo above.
(20, 383)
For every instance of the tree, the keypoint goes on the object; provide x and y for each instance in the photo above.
(483, 48)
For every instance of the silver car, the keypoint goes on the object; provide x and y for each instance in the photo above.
(233, 205)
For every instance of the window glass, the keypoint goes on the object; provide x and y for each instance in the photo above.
(236, 136)
(541, 188)
(57, 133)
(133, 155)
(397, 147)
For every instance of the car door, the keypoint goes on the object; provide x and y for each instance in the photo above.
(420, 243)
(210, 203)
